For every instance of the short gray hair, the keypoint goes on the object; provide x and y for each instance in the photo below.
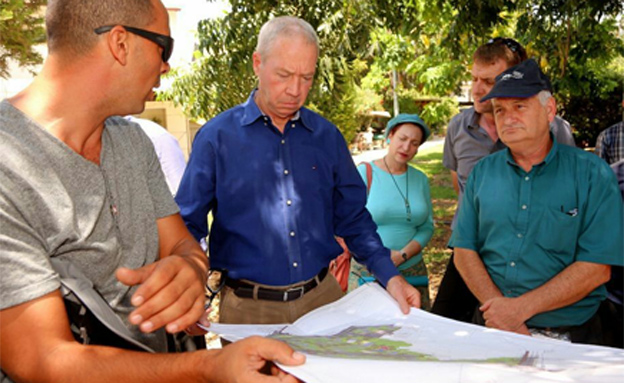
(543, 97)
(284, 26)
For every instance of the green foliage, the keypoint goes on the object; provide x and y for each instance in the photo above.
(21, 28)
(429, 45)
(358, 51)
(437, 114)
(222, 76)
(576, 41)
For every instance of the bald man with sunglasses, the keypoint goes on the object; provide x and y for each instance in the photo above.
(83, 188)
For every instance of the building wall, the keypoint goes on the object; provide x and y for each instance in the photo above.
(164, 113)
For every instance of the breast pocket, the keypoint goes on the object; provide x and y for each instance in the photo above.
(557, 231)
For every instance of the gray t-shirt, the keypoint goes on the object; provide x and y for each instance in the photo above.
(55, 203)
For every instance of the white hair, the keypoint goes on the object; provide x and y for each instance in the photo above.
(543, 97)
(284, 26)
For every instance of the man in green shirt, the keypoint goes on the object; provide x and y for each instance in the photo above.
(540, 223)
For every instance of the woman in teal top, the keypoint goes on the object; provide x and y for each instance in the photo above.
(400, 203)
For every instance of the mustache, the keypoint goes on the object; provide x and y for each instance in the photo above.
(512, 126)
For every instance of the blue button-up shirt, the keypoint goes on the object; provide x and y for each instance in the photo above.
(277, 199)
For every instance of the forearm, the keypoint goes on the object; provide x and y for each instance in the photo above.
(190, 249)
(455, 182)
(474, 273)
(572, 284)
(175, 239)
(52, 355)
(412, 249)
(73, 362)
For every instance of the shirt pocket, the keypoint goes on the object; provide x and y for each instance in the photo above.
(557, 231)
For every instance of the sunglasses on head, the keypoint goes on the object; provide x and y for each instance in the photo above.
(512, 44)
(165, 42)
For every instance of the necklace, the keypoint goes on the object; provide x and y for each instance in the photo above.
(408, 210)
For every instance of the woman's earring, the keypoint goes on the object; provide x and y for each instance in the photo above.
(387, 140)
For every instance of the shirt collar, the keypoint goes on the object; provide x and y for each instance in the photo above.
(474, 119)
(252, 113)
(547, 160)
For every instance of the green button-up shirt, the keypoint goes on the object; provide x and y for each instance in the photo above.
(528, 227)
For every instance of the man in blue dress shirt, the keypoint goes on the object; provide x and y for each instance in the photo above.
(540, 223)
(280, 183)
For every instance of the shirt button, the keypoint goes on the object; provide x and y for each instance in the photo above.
(527, 178)
(286, 172)
(289, 202)
(519, 235)
(292, 126)
(524, 207)
(512, 264)
(283, 142)
(295, 264)
(292, 233)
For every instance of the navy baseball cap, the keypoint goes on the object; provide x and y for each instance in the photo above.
(405, 118)
(520, 81)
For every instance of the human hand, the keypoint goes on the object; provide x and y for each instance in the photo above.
(171, 293)
(242, 361)
(396, 257)
(194, 329)
(505, 314)
(405, 294)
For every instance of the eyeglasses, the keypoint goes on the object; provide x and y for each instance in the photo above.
(165, 42)
(512, 44)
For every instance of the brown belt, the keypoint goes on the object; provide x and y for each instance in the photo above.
(244, 289)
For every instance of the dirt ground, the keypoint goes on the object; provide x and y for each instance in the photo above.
(436, 254)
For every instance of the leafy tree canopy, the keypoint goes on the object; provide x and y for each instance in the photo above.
(21, 28)
(428, 43)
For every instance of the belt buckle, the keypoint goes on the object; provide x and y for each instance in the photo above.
(300, 288)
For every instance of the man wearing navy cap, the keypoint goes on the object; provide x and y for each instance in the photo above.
(540, 223)
(470, 136)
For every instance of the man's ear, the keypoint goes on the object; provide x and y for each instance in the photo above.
(551, 108)
(118, 44)
(256, 62)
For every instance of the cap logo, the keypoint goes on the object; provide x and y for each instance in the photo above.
(513, 75)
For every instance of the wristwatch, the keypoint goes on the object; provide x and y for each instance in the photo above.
(404, 256)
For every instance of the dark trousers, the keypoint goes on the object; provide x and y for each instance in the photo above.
(454, 300)
(612, 318)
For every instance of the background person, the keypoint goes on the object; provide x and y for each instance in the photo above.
(540, 223)
(85, 187)
(400, 202)
(470, 136)
(610, 143)
(167, 149)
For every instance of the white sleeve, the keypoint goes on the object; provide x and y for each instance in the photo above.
(171, 159)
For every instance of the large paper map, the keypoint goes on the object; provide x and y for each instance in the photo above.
(365, 338)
